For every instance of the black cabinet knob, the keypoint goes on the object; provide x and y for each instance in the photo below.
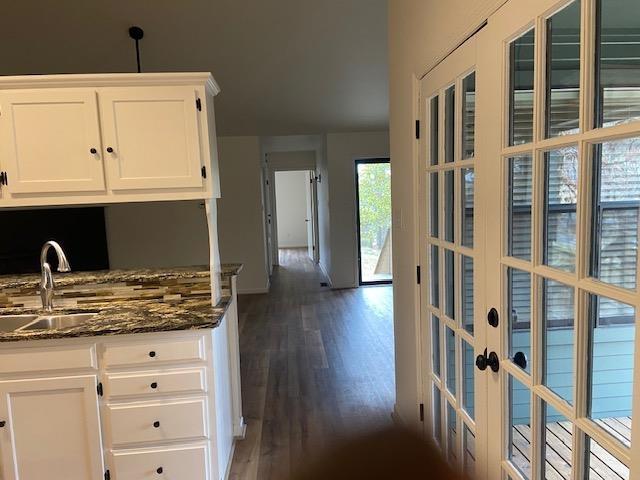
(159, 470)
(483, 361)
(152, 353)
(156, 424)
(520, 359)
(2, 423)
(493, 318)
(93, 151)
(154, 385)
(109, 149)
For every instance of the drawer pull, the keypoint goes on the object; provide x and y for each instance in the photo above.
(156, 424)
(154, 385)
(159, 470)
(152, 353)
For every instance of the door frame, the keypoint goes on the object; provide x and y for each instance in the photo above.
(271, 217)
(364, 161)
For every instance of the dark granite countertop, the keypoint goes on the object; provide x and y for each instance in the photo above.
(127, 317)
(32, 280)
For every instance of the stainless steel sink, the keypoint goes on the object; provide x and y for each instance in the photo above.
(9, 323)
(55, 322)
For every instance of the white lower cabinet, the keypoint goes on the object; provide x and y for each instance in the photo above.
(156, 406)
(50, 429)
(168, 463)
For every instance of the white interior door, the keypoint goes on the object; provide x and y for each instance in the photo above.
(451, 245)
(560, 140)
(51, 141)
(151, 137)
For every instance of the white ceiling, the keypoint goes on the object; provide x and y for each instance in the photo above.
(284, 66)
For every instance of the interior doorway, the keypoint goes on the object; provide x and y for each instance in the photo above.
(295, 219)
(373, 210)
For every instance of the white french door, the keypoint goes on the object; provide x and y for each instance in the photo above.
(555, 219)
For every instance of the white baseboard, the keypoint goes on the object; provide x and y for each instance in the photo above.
(227, 471)
(239, 429)
(324, 272)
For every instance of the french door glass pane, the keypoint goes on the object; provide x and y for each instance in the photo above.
(466, 191)
(467, 293)
(469, 440)
(563, 71)
(611, 355)
(433, 131)
(520, 190)
(449, 198)
(450, 354)
(561, 195)
(468, 365)
(449, 284)
(452, 433)
(519, 317)
(435, 345)
(616, 207)
(468, 115)
(449, 123)
(617, 62)
(434, 198)
(437, 415)
(519, 448)
(601, 464)
(435, 276)
(556, 444)
(558, 338)
(521, 72)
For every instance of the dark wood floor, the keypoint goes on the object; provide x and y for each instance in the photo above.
(317, 364)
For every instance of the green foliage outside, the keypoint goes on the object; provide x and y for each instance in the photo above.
(374, 186)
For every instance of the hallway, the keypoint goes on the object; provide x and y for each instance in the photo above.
(317, 364)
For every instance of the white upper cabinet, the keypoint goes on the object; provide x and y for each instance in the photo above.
(151, 137)
(83, 139)
(48, 137)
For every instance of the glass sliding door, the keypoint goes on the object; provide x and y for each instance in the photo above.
(373, 194)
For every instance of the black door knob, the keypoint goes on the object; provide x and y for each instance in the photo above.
(154, 385)
(520, 359)
(491, 360)
(2, 423)
(93, 151)
(152, 354)
(156, 424)
(159, 470)
(109, 149)
(493, 318)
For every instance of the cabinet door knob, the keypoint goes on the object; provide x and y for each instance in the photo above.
(156, 424)
(2, 423)
(93, 151)
(152, 353)
(159, 470)
(154, 385)
(109, 149)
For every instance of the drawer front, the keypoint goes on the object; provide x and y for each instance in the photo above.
(156, 382)
(183, 463)
(150, 353)
(48, 359)
(155, 422)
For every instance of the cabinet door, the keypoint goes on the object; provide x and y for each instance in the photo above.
(151, 137)
(48, 137)
(51, 429)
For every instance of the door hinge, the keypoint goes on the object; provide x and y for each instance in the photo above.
(417, 129)
(3, 178)
(198, 104)
(418, 274)
(204, 172)
(107, 475)
(100, 389)
(422, 412)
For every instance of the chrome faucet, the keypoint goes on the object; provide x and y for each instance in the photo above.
(46, 283)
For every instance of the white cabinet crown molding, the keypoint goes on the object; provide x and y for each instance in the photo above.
(99, 80)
